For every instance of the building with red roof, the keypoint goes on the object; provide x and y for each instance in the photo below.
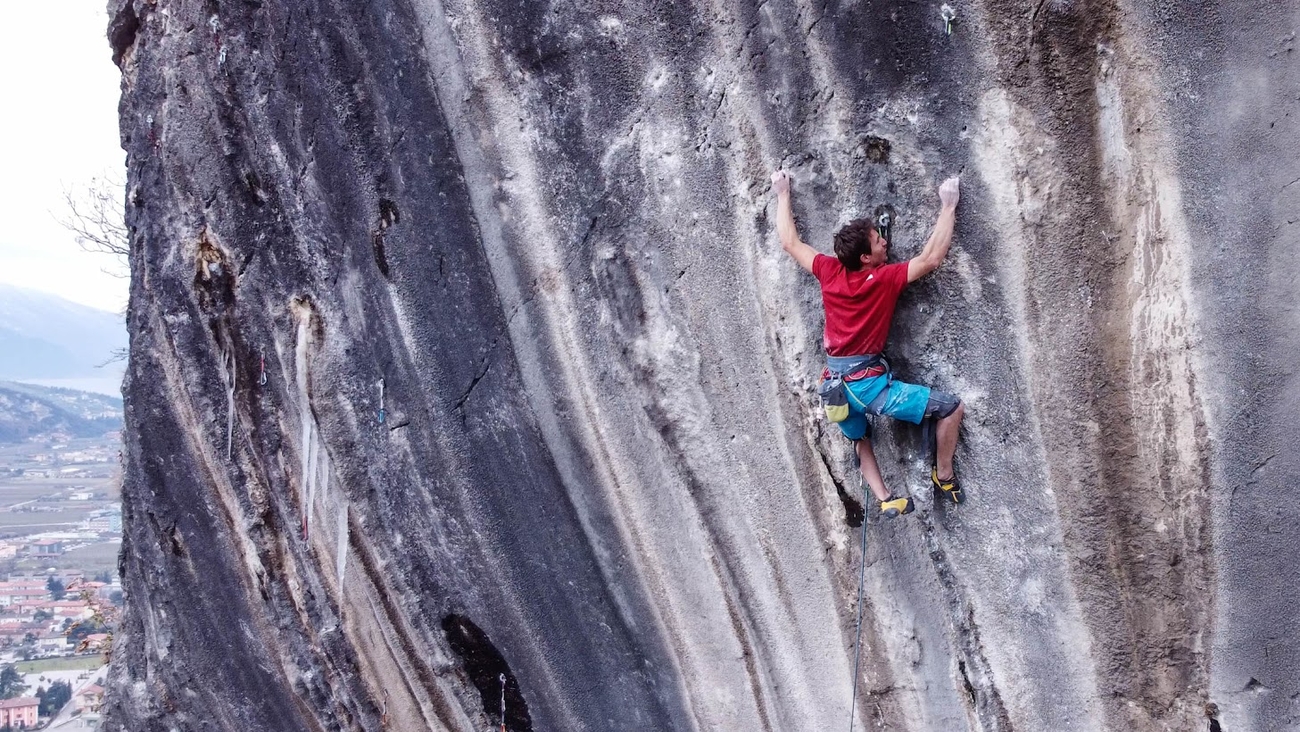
(90, 698)
(20, 712)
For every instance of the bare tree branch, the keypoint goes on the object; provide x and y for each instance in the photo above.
(118, 354)
(96, 218)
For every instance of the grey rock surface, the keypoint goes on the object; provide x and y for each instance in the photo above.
(462, 350)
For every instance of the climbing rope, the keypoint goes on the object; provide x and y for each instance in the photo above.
(862, 580)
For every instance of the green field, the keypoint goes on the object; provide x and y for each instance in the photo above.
(75, 663)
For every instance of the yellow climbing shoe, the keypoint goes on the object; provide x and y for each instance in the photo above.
(949, 488)
(893, 507)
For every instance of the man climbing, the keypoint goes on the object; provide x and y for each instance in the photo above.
(859, 293)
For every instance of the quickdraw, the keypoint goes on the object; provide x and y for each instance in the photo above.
(884, 221)
(949, 15)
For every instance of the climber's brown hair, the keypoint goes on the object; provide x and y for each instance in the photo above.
(852, 241)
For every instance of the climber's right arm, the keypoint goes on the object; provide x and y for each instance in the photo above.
(785, 229)
(936, 248)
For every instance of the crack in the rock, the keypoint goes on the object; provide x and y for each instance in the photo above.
(1262, 464)
(487, 366)
(854, 513)
(977, 676)
(591, 229)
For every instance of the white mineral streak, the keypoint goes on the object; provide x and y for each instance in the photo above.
(1162, 327)
(307, 422)
(1017, 167)
(341, 548)
(1147, 206)
(229, 374)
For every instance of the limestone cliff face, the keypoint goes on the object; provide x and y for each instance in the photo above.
(462, 349)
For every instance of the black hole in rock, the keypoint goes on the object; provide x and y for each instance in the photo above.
(853, 512)
(388, 212)
(175, 541)
(254, 188)
(485, 666)
(381, 258)
(877, 149)
(122, 31)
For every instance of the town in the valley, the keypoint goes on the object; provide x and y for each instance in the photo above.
(60, 532)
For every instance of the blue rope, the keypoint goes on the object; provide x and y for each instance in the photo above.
(862, 580)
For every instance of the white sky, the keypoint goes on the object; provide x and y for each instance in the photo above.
(60, 90)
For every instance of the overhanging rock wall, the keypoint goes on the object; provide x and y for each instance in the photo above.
(462, 349)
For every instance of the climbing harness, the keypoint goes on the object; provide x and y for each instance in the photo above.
(503, 702)
(834, 390)
(949, 15)
(261, 376)
(839, 371)
(382, 413)
(862, 581)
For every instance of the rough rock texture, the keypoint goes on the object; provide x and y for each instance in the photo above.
(462, 349)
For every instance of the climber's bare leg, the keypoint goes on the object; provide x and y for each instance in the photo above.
(947, 438)
(871, 469)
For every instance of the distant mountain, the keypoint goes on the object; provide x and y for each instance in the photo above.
(31, 411)
(46, 338)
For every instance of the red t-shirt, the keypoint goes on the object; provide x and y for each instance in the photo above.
(859, 305)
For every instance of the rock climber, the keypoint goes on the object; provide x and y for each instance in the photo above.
(859, 293)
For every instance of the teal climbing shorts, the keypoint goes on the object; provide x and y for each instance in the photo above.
(892, 398)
